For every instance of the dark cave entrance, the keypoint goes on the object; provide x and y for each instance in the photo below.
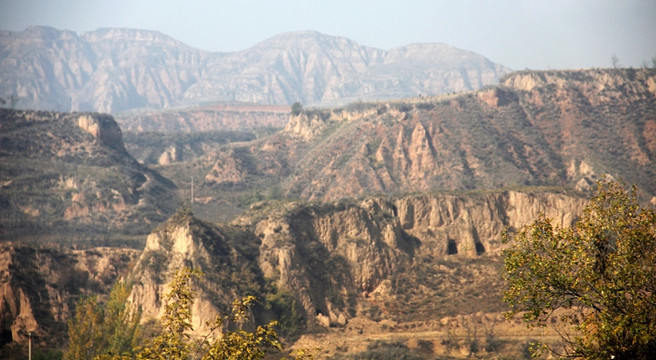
(480, 249)
(451, 248)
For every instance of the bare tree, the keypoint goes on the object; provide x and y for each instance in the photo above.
(615, 61)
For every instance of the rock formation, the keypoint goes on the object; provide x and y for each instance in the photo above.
(558, 128)
(40, 287)
(330, 256)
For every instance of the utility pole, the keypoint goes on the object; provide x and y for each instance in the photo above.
(29, 345)
(192, 190)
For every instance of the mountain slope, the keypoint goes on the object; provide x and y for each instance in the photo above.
(111, 70)
(560, 128)
(105, 70)
(66, 177)
(314, 267)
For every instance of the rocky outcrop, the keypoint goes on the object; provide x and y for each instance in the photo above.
(332, 256)
(332, 259)
(184, 241)
(103, 128)
(360, 245)
(559, 128)
(472, 225)
(328, 256)
(171, 155)
(233, 168)
(371, 239)
(40, 287)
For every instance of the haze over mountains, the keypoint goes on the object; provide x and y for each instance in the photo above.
(355, 223)
(113, 70)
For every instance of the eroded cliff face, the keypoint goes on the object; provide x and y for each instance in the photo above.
(472, 225)
(184, 241)
(331, 257)
(40, 287)
(103, 128)
(329, 254)
(559, 128)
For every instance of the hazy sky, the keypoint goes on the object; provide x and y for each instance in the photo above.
(536, 34)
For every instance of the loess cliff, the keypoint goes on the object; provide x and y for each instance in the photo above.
(39, 289)
(557, 128)
(333, 257)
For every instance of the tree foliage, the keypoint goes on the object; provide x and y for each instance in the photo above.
(173, 342)
(107, 329)
(602, 272)
(91, 339)
(241, 344)
(297, 108)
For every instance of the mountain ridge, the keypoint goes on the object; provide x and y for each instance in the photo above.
(558, 128)
(114, 69)
(390, 197)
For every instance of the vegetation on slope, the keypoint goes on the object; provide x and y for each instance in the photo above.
(601, 272)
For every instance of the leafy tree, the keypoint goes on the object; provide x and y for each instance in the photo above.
(175, 343)
(240, 344)
(121, 322)
(47, 354)
(114, 338)
(84, 330)
(602, 272)
(103, 329)
(297, 108)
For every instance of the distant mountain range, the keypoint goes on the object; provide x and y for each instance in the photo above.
(114, 70)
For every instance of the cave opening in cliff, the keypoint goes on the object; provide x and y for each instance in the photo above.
(451, 248)
(480, 249)
(5, 337)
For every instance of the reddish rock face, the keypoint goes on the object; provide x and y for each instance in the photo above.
(559, 128)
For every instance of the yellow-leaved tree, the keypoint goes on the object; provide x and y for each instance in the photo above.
(174, 342)
(100, 329)
(602, 272)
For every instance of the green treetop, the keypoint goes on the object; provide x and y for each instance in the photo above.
(601, 271)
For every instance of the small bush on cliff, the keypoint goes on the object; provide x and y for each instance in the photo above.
(601, 272)
(297, 108)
